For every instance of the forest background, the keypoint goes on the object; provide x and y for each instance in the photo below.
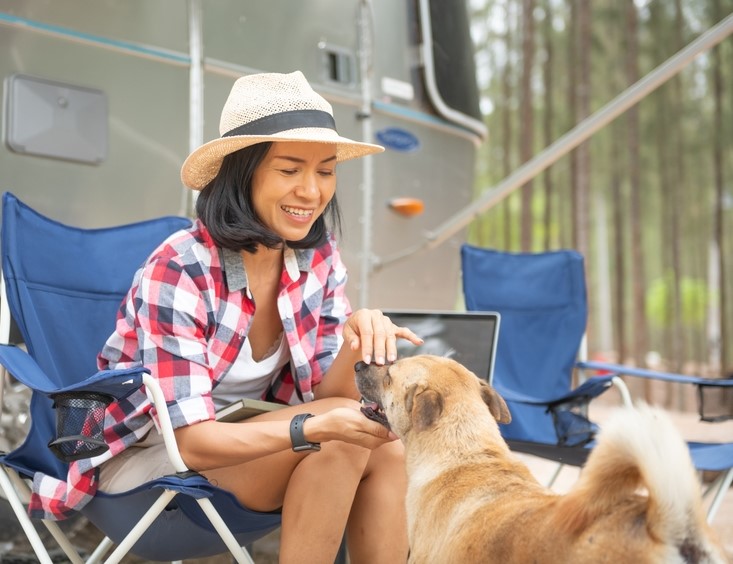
(647, 199)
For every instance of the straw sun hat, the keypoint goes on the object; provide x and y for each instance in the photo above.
(269, 107)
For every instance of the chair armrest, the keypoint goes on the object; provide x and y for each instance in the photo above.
(620, 369)
(155, 395)
(588, 390)
(703, 384)
(115, 383)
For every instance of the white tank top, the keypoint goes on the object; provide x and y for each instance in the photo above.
(248, 378)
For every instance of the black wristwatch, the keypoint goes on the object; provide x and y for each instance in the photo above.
(296, 434)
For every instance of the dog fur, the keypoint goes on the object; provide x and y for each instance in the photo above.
(470, 500)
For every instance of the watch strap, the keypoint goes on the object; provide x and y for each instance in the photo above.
(297, 437)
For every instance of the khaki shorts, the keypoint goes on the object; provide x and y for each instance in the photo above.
(140, 463)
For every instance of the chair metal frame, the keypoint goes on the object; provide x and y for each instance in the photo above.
(17, 491)
(698, 451)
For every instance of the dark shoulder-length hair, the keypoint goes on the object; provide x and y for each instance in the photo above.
(225, 207)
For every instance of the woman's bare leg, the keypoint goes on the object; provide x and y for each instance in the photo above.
(316, 490)
(377, 527)
(318, 501)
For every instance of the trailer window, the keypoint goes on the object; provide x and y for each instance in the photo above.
(453, 55)
(338, 65)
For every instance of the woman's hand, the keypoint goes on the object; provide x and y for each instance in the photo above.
(348, 425)
(375, 334)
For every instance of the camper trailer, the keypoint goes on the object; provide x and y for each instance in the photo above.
(102, 101)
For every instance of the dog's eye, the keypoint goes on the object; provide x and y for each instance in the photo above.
(387, 380)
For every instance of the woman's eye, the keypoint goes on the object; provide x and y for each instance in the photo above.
(327, 172)
(289, 171)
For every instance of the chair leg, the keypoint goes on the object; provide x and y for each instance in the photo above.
(721, 486)
(555, 475)
(63, 542)
(99, 552)
(19, 509)
(137, 531)
(237, 551)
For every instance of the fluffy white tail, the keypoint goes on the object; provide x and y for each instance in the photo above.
(642, 448)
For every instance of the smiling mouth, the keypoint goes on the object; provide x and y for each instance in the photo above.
(298, 212)
(372, 410)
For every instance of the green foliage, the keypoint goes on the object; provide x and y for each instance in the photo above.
(665, 200)
(694, 300)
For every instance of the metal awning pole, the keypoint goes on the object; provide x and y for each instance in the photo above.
(196, 93)
(367, 208)
(582, 131)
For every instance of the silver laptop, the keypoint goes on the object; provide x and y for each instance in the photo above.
(468, 337)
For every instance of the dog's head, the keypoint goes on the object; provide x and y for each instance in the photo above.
(415, 392)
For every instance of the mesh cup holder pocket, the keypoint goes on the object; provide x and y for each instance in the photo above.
(79, 425)
(573, 428)
(715, 403)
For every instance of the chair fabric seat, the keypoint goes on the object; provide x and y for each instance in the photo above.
(184, 528)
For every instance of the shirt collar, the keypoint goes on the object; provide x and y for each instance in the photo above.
(295, 261)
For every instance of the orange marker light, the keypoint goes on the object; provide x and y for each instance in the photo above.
(407, 206)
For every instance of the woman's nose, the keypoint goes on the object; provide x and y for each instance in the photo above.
(309, 186)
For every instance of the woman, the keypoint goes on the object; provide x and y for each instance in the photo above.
(250, 302)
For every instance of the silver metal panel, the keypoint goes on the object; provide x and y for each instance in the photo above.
(148, 128)
(395, 50)
(147, 23)
(146, 79)
(440, 172)
(278, 35)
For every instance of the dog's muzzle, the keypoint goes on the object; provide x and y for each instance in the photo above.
(370, 407)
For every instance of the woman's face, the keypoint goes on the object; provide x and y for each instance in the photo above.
(293, 185)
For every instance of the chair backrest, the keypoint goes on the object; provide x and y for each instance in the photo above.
(541, 298)
(64, 286)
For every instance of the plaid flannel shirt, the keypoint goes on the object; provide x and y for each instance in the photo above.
(185, 318)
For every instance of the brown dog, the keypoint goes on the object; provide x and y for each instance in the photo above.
(470, 500)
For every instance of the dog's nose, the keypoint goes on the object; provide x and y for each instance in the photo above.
(359, 366)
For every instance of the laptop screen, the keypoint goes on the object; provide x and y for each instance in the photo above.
(467, 337)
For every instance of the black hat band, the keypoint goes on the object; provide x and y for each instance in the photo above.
(284, 121)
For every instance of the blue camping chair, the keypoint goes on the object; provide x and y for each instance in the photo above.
(63, 286)
(708, 456)
(541, 298)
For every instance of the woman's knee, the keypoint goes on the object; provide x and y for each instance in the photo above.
(392, 454)
(387, 460)
(343, 454)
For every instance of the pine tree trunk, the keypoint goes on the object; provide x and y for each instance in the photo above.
(506, 128)
(677, 189)
(582, 186)
(572, 110)
(636, 213)
(547, 121)
(526, 116)
(719, 226)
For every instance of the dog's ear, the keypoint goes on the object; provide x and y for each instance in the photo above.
(497, 405)
(423, 405)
